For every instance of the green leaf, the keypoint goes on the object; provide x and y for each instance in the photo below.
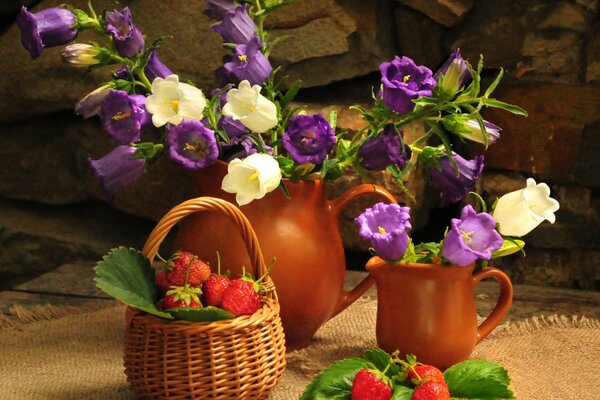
(203, 314)
(400, 392)
(505, 106)
(290, 94)
(478, 379)
(335, 382)
(494, 84)
(509, 246)
(126, 275)
(382, 361)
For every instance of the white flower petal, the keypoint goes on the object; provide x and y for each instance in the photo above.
(252, 178)
(521, 211)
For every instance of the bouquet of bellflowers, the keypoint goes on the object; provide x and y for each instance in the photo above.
(249, 121)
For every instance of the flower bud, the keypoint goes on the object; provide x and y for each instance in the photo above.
(81, 55)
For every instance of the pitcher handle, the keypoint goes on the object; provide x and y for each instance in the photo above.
(503, 304)
(349, 297)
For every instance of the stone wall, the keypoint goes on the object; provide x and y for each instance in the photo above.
(51, 208)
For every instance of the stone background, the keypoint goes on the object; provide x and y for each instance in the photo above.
(52, 210)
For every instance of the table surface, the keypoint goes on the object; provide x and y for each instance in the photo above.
(71, 287)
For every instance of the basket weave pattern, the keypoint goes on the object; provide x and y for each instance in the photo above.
(239, 358)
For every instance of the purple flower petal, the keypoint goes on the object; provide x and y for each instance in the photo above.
(403, 81)
(50, 27)
(117, 169)
(384, 150)
(248, 63)
(237, 26)
(455, 73)
(127, 38)
(124, 116)
(472, 237)
(308, 138)
(454, 187)
(386, 225)
(192, 145)
(155, 68)
(216, 9)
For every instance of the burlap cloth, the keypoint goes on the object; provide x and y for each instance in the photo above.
(79, 356)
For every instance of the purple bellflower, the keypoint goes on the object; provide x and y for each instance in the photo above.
(232, 127)
(472, 237)
(308, 138)
(247, 63)
(453, 187)
(384, 150)
(155, 68)
(237, 26)
(239, 147)
(386, 225)
(124, 116)
(117, 169)
(192, 145)
(453, 74)
(47, 28)
(404, 81)
(216, 9)
(127, 37)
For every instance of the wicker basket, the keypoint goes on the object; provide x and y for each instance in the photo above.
(239, 358)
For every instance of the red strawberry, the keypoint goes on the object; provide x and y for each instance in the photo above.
(170, 302)
(213, 289)
(198, 270)
(369, 385)
(182, 296)
(240, 298)
(431, 390)
(162, 280)
(425, 373)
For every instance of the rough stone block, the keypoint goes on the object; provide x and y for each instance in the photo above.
(552, 56)
(545, 144)
(445, 12)
(419, 37)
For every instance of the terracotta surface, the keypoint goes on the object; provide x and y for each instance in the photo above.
(429, 310)
(301, 233)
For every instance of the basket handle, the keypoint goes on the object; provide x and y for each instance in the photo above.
(197, 204)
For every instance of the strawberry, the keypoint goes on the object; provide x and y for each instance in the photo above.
(181, 296)
(213, 290)
(240, 298)
(370, 385)
(162, 280)
(179, 265)
(421, 373)
(431, 390)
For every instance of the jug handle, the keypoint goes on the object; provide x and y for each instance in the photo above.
(349, 297)
(503, 304)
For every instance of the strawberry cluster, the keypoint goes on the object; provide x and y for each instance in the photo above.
(427, 380)
(188, 282)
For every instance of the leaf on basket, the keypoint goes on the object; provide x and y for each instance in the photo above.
(478, 379)
(336, 381)
(204, 314)
(126, 275)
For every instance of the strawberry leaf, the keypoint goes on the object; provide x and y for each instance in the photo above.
(335, 382)
(478, 379)
(204, 314)
(382, 361)
(126, 275)
(401, 393)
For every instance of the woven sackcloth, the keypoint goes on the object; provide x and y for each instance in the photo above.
(79, 356)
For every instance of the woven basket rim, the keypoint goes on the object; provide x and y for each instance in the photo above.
(268, 309)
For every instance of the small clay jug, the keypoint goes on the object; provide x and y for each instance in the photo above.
(429, 310)
(301, 233)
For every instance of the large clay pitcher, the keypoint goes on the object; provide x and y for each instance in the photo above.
(429, 310)
(301, 233)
